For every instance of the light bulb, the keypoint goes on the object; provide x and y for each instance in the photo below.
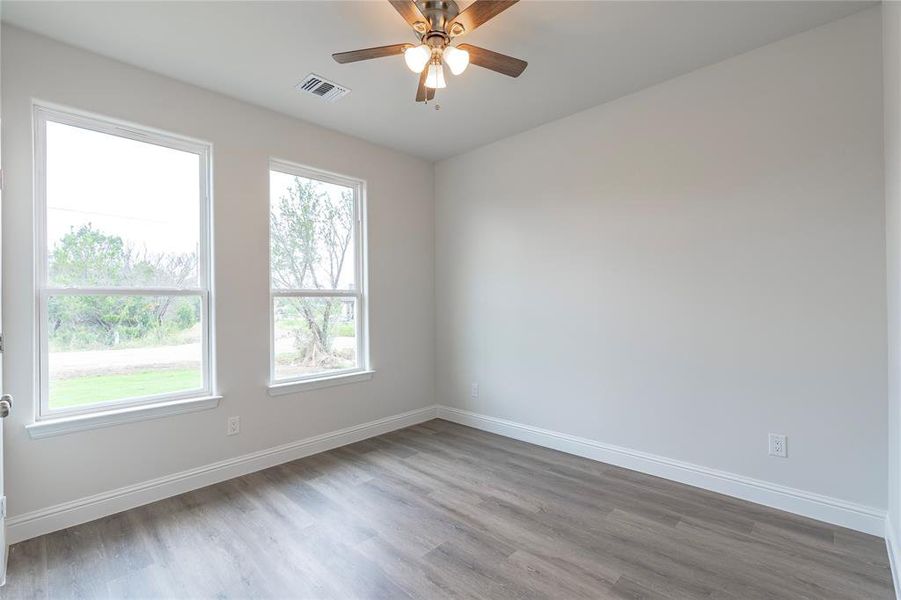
(457, 60)
(417, 57)
(435, 77)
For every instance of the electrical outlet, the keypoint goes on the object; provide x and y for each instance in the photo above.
(234, 426)
(778, 445)
(474, 391)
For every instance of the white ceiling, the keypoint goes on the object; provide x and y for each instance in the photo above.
(580, 54)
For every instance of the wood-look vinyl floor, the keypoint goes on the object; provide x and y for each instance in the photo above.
(444, 511)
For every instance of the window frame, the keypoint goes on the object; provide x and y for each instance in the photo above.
(44, 113)
(360, 293)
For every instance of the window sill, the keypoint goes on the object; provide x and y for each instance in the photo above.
(291, 387)
(64, 425)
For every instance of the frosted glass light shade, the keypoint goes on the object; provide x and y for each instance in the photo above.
(457, 60)
(417, 57)
(435, 77)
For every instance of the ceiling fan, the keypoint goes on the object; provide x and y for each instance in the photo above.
(437, 23)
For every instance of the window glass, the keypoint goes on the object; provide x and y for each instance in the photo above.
(124, 288)
(317, 320)
(312, 244)
(109, 348)
(130, 208)
(314, 335)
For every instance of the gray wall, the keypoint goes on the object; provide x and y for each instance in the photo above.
(891, 39)
(41, 473)
(686, 269)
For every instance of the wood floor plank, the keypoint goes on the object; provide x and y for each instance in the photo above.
(440, 511)
(28, 560)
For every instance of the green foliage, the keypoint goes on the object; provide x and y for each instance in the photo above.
(86, 257)
(186, 315)
(345, 330)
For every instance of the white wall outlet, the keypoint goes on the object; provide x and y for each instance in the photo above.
(474, 391)
(778, 445)
(234, 426)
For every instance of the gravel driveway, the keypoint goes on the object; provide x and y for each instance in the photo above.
(105, 362)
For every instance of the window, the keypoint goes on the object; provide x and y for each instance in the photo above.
(316, 273)
(123, 265)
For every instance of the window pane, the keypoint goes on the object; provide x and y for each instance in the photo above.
(312, 233)
(120, 212)
(107, 348)
(314, 335)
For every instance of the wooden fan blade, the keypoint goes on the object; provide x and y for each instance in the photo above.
(411, 14)
(424, 93)
(367, 53)
(478, 13)
(494, 60)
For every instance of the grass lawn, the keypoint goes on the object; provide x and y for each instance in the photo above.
(78, 391)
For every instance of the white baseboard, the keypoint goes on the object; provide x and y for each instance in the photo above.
(823, 508)
(53, 518)
(894, 555)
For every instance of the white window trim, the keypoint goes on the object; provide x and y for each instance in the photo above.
(334, 378)
(129, 409)
(363, 370)
(70, 424)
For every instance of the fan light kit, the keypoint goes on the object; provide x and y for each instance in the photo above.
(437, 23)
(434, 77)
(417, 57)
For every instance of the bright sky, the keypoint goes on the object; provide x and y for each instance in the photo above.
(147, 194)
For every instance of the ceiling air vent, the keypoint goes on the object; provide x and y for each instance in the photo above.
(322, 87)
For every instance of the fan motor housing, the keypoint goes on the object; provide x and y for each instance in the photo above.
(436, 40)
(439, 13)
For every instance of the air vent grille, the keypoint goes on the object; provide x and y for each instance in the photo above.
(322, 88)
